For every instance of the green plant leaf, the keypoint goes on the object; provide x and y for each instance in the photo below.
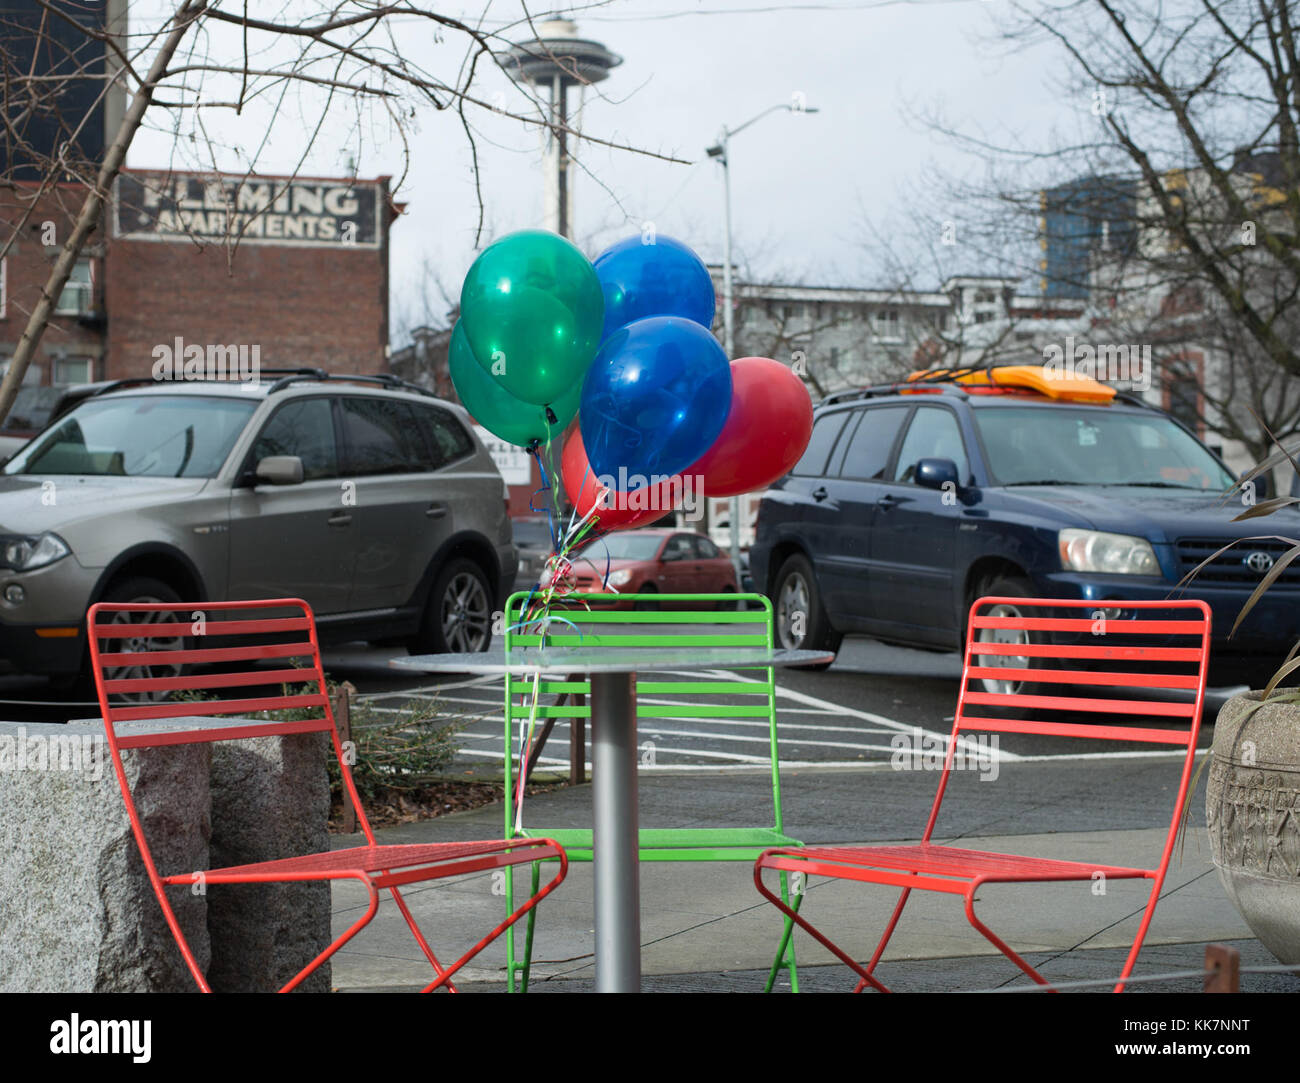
(1266, 507)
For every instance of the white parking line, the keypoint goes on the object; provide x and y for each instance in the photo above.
(789, 702)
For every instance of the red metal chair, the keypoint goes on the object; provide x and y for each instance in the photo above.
(283, 632)
(1017, 657)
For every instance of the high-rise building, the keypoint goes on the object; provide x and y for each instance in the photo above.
(1079, 219)
(58, 103)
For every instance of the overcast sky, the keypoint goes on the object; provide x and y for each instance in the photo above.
(801, 183)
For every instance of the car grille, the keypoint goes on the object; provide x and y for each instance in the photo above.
(1233, 567)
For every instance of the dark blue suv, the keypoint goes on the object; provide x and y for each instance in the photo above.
(911, 501)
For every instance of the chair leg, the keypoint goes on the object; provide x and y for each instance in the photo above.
(1131, 961)
(510, 933)
(528, 930)
(508, 923)
(828, 944)
(419, 936)
(888, 934)
(996, 941)
(352, 931)
(170, 916)
(785, 949)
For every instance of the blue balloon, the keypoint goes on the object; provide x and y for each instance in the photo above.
(653, 401)
(658, 277)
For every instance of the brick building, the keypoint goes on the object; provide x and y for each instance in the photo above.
(296, 267)
(72, 347)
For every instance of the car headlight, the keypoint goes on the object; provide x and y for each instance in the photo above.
(23, 554)
(1097, 551)
(618, 578)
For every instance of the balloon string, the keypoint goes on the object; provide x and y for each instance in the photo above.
(525, 751)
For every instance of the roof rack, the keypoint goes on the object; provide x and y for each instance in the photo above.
(139, 381)
(877, 390)
(286, 377)
(384, 379)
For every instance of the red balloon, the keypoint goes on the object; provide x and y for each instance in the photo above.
(627, 510)
(766, 432)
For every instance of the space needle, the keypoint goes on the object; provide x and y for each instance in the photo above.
(556, 61)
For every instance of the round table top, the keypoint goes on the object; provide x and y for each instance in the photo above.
(564, 660)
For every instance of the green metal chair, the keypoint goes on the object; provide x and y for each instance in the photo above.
(714, 698)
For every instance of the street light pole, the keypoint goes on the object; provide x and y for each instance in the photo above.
(729, 326)
(722, 152)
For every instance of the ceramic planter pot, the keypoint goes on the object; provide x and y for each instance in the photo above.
(1252, 809)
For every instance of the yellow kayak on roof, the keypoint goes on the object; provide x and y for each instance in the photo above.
(1054, 385)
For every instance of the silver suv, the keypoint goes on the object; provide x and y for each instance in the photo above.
(368, 498)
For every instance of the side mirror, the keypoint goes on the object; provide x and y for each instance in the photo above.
(937, 474)
(279, 470)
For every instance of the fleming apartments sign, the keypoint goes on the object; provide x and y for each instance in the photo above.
(273, 210)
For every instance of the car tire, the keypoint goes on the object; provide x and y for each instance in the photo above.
(1010, 586)
(458, 613)
(645, 605)
(797, 592)
(140, 590)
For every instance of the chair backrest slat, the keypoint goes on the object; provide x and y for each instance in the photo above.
(1085, 677)
(1102, 653)
(1082, 729)
(172, 629)
(199, 682)
(207, 655)
(219, 706)
(1081, 624)
(224, 733)
(666, 639)
(1074, 703)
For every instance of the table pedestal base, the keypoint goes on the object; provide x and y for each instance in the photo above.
(615, 846)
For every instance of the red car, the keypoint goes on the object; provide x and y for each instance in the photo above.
(654, 562)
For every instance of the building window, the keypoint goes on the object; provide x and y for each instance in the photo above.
(78, 294)
(73, 370)
(885, 323)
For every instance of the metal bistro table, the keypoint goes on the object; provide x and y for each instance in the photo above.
(614, 765)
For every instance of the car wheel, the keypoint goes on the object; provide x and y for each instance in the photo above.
(1008, 587)
(142, 591)
(646, 605)
(801, 622)
(729, 604)
(458, 615)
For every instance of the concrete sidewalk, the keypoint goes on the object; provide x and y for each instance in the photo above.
(705, 928)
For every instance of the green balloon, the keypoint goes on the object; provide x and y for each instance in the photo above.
(533, 312)
(498, 411)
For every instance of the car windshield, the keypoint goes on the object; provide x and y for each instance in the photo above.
(627, 546)
(1034, 445)
(182, 436)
